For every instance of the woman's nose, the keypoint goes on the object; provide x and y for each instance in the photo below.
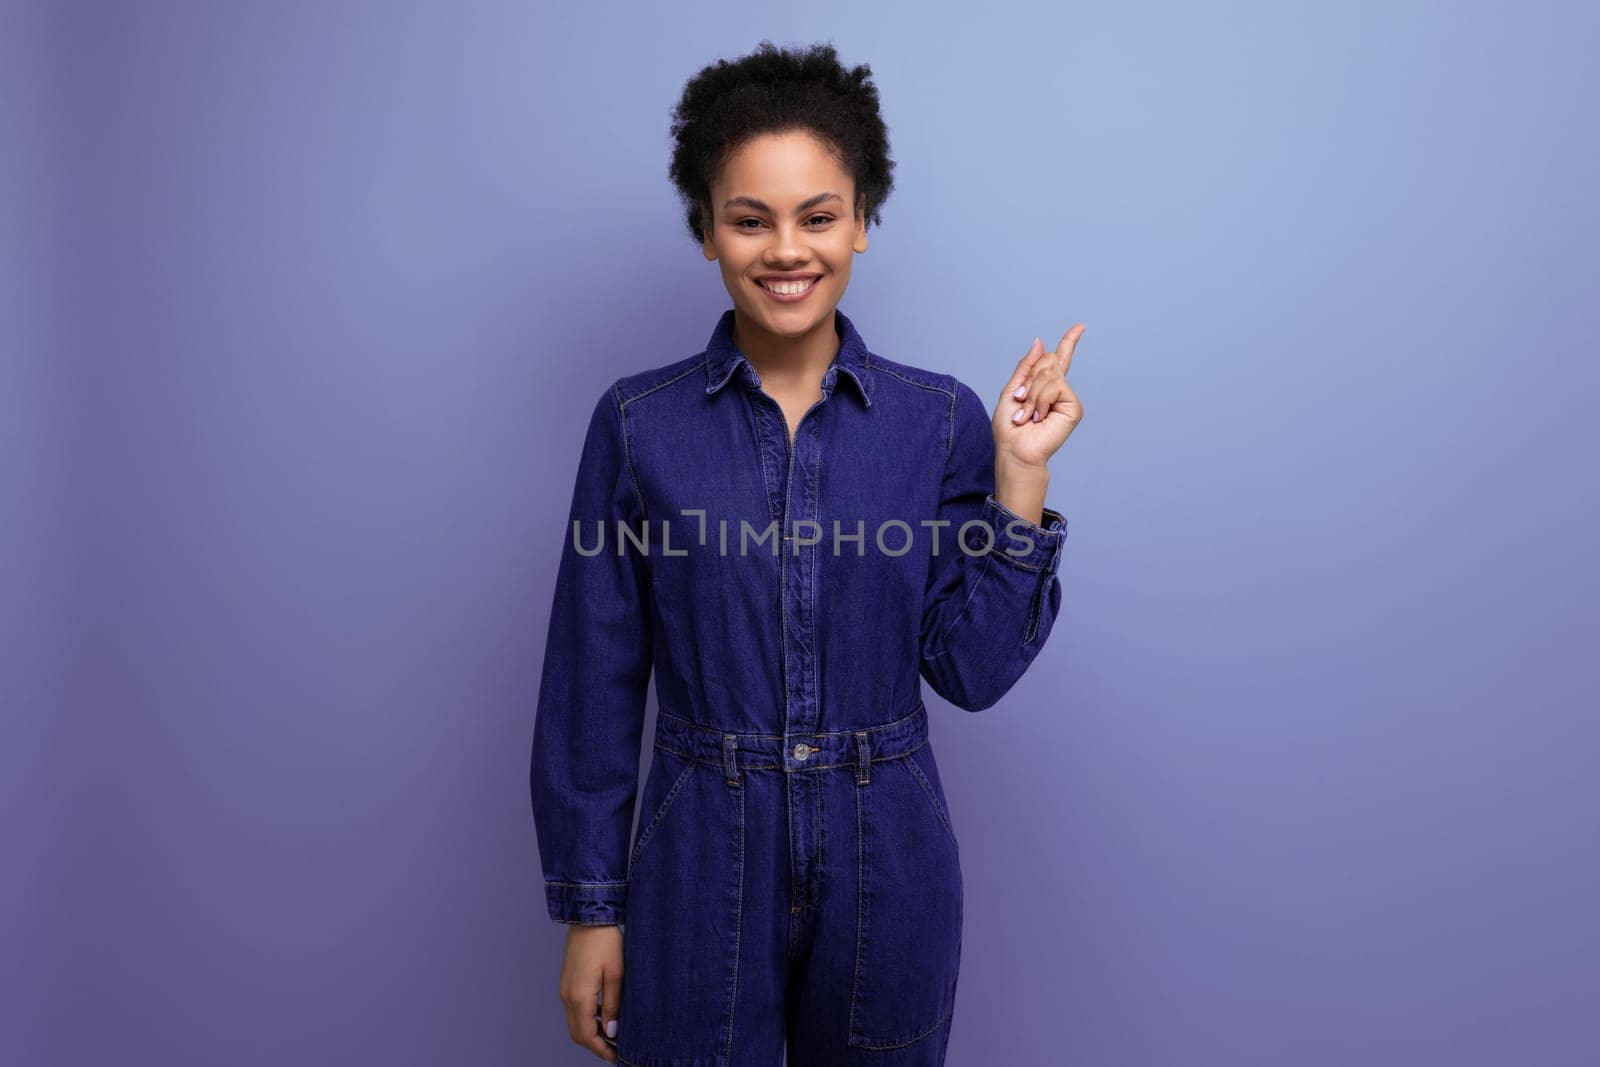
(786, 246)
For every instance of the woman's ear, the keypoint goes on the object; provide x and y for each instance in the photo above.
(706, 247)
(860, 243)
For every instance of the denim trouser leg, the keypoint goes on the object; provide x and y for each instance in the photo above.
(801, 888)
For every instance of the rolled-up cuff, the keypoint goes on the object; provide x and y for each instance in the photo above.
(587, 903)
(1026, 544)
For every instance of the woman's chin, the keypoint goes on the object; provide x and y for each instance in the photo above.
(792, 320)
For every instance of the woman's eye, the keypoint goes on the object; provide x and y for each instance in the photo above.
(741, 223)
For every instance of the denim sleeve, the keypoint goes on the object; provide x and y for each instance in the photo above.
(986, 614)
(597, 661)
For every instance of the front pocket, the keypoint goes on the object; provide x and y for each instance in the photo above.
(922, 767)
(680, 945)
(909, 904)
(666, 778)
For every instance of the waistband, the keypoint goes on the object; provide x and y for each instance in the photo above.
(794, 751)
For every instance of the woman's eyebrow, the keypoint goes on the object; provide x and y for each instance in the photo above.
(750, 201)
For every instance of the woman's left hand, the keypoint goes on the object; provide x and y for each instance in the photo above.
(1039, 409)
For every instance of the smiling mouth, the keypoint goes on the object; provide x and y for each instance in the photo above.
(794, 288)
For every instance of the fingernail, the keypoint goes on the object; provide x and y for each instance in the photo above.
(1020, 390)
(1038, 341)
(1018, 416)
(611, 1028)
(1036, 416)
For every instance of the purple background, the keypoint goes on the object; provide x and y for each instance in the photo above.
(303, 310)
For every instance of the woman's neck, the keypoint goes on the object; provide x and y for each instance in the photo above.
(786, 363)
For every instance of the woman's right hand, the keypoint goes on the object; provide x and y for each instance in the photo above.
(591, 986)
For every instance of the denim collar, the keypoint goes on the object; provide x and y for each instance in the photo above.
(723, 358)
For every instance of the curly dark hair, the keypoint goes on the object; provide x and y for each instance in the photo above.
(775, 90)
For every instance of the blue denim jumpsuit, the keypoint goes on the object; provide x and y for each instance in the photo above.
(794, 877)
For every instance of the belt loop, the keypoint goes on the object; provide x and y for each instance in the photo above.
(863, 758)
(730, 758)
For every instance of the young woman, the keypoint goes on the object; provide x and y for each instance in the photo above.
(794, 532)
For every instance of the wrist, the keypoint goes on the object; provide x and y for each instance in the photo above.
(1021, 489)
(1004, 457)
(1022, 475)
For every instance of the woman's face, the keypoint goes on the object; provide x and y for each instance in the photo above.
(783, 206)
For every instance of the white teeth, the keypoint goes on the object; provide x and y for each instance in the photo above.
(788, 288)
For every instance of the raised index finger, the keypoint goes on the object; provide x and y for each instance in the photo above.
(1069, 341)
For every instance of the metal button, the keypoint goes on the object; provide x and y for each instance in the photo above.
(802, 750)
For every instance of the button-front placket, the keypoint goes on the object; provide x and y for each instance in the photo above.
(801, 534)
